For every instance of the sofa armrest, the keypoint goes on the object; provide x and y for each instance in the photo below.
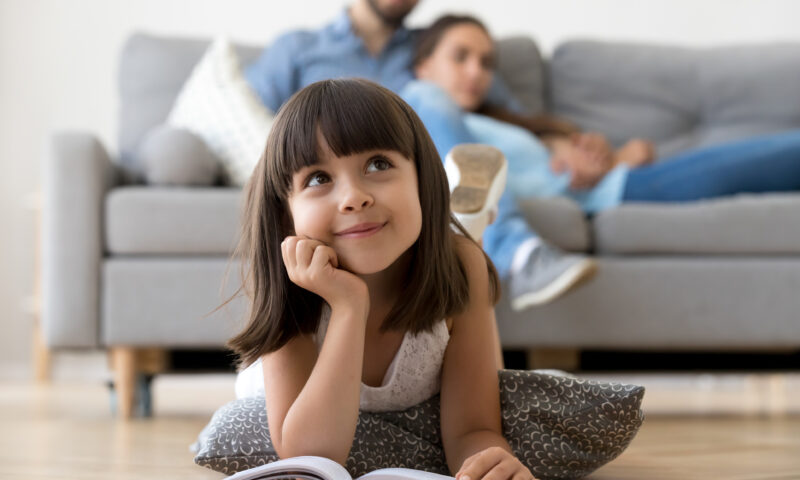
(77, 173)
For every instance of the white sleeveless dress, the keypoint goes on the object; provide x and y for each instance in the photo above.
(413, 376)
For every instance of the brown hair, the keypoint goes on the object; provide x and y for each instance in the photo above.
(429, 38)
(353, 116)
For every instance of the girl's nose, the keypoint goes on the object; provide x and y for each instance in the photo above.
(474, 67)
(354, 199)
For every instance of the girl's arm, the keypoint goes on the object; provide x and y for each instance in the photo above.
(470, 395)
(312, 401)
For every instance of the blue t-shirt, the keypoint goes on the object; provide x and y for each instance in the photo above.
(300, 58)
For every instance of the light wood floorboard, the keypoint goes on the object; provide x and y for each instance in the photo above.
(744, 427)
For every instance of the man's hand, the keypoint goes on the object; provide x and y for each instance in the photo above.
(493, 463)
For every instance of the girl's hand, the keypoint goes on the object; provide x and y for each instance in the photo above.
(594, 143)
(314, 266)
(494, 463)
(585, 168)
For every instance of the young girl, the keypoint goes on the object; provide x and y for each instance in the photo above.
(363, 296)
(454, 60)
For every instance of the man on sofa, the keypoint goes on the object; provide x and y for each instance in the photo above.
(369, 40)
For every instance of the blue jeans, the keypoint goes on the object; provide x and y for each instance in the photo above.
(445, 123)
(769, 163)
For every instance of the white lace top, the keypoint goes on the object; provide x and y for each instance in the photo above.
(414, 374)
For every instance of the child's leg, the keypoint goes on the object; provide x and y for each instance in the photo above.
(762, 164)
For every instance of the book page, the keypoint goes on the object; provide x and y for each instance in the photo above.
(401, 474)
(308, 468)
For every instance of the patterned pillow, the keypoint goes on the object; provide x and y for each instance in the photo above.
(559, 427)
(218, 105)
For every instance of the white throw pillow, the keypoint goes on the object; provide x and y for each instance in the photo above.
(218, 105)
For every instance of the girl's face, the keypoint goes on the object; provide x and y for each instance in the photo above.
(462, 64)
(365, 206)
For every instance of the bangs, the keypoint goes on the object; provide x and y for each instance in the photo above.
(353, 116)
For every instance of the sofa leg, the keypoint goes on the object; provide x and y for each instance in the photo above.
(568, 359)
(134, 369)
(42, 361)
(123, 363)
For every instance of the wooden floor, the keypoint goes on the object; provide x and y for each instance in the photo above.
(734, 427)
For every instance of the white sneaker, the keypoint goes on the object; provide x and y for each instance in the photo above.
(477, 177)
(548, 272)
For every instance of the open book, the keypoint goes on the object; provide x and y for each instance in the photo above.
(321, 468)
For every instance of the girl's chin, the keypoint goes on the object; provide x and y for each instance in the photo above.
(363, 268)
(366, 266)
(469, 104)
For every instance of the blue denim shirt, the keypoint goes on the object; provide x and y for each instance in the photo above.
(300, 58)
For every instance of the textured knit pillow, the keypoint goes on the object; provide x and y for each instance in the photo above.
(559, 427)
(218, 105)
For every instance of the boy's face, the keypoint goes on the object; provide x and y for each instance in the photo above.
(365, 206)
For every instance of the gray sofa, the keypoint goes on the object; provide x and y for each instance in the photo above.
(131, 268)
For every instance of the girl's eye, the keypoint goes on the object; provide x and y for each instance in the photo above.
(460, 55)
(378, 164)
(317, 178)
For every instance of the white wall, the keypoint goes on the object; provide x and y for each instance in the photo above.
(58, 66)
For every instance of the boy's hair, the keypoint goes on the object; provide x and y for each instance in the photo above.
(353, 116)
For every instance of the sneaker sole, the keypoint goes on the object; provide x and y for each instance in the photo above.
(478, 166)
(570, 278)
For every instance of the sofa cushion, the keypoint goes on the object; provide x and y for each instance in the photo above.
(156, 301)
(150, 220)
(174, 156)
(680, 98)
(152, 71)
(559, 220)
(743, 224)
(520, 65)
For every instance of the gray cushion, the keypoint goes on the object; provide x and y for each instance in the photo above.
(559, 427)
(559, 220)
(159, 220)
(151, 73)
(680, 98)
(743, 224)
(176, 157)
(521, 67)
(170, 301)
(667, 302)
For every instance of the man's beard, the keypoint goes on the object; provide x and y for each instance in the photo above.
(390, 19)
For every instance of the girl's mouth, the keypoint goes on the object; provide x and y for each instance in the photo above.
(361, 230)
